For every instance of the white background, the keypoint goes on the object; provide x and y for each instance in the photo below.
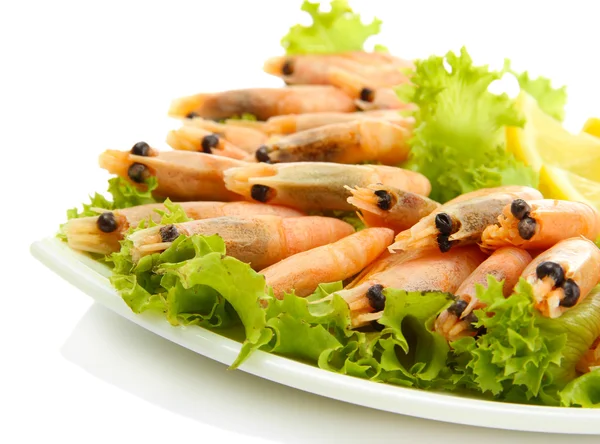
(79, 77)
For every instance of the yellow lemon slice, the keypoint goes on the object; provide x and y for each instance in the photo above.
(556, 183)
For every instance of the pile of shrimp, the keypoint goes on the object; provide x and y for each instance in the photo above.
(331, 140)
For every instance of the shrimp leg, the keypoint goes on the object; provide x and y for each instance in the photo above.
(191, 138)
(461, 221)
(539, 224)
(303, 272)
(353, 142)
(258, 240)
(263, 102)
(101, 234)
(383, 206)
(433, 271)
(505, 264)
(181, 175)
(316, 185)
(563, 275)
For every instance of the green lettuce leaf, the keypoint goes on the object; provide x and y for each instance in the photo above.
(338, 30)
(458, 140)
(551, 100)
(583, 391)
(523, 356)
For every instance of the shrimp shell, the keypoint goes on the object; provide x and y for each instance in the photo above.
(352, 142)
(83, 233)
(316, 185)
(383, 206)
(263, 102)
(190, 138)
(579, 258)
(181, 175)
(430, 271)
(258, 240)
(505, 264)
(244, 137)
(338, 261)
(469, 217)
(555, 220)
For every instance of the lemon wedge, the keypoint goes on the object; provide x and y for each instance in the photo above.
(544, 141)
(556, 183)
(592, 126)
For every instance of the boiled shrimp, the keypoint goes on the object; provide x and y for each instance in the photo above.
(384, 206)
(258, 240)
(316, 185)
(299, 122)
(303, 272)
(352, 142)
(102, 234)
(191, 138)
(506, 264)
(246, 138)
(264, 102)
(428, 271)
(461, 221)
(563, 275)
(181, 175)
(539, 224)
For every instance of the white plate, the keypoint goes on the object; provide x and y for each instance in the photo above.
(91, 277)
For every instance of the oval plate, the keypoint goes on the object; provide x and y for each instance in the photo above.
(92, 278)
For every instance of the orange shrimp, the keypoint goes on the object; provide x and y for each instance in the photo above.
(505, 264)
(191, 138)
(259, 240)
(293, 123)
(334, 262)
(383, 206)
(263, 102)
(428, 271)
(101, 234)
(316, 185)
(563, 275)
(181, 175)
(244, 137)
(352, 142)
(539, 224)
(462, 220)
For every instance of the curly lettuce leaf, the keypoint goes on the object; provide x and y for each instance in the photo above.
(338, 30)
(583, 391)
(523, 356)
(124, 195)
(458, 140)
(551, 100)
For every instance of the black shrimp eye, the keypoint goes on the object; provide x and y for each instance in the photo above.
(444, 243)
(141, 149)
(262, 154)
(552, 269)
(261, 193)
(106, 222)
(520, 209)
(457, 308)
(209, 142)
(191, 115)
(384, 200)
(443, 222)
(527, 227)
(367, 95)
(288, 68)
(168, 233)
(138, 172)
(376, 297)
(572, 293)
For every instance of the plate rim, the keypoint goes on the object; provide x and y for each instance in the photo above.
(86, 274)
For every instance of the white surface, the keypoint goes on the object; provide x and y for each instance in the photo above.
(91, 278)
(79, 77)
